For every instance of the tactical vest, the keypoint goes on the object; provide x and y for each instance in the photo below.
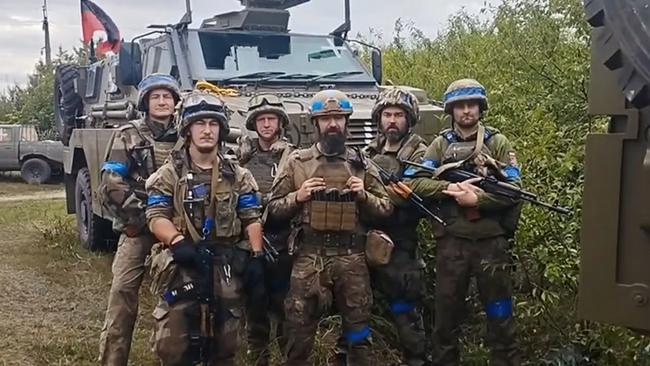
(147, 154)
(479, 159)
(192, 203)
(334, 208)
(403, 223)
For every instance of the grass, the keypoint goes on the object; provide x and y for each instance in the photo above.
(12, 184)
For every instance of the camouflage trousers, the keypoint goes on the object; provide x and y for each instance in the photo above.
(458, 259)
(401, 284)
(122, 310)
(263, 315)
(178, 326)
(317, 282)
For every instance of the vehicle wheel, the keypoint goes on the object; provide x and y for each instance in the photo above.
(36, 171)
(95, 233)
(626, 37)
(68, 104)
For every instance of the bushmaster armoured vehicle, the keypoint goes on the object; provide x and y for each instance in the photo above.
(239, 54)
(615, 238)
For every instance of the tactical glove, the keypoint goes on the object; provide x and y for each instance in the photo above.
(255, 281)
(184, 253)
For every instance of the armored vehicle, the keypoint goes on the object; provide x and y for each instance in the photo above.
(615, 242)
(21, 150)
(237, 55)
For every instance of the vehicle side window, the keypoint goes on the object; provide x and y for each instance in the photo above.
(28, 134)
(5, 134)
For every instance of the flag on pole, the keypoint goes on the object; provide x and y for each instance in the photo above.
(94, 19)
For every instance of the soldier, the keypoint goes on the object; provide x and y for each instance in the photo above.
(202, 204)
(135, 151)
(335, 196)
(475, 241)
(262, 156)
(401, 280)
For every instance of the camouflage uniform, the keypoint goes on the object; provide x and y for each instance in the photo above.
(330, 262)
(136, 150)
(475, 241)
(264, 167)
(225, 202)
(401, 280)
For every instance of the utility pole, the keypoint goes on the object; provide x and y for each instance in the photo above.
(46, 29)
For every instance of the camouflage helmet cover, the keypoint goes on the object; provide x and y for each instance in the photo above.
(200, 104)
(465, 89)
(329, 102)
(156, 81)
(397, 97)
(265, 103)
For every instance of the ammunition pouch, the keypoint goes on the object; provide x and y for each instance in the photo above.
(329, 244)
(165, 273)
(333, 210)
(379, 248)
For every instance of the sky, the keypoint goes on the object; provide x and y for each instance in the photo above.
(21, 35)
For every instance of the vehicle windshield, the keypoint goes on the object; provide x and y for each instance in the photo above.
(273, 56)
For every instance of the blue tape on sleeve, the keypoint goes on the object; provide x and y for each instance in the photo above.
(409, 172)
(248, 200)
(401, 307)
(116, 167)
(512, 173)
(158, 200)
(430, 163)
(356, 336)
(499, 308)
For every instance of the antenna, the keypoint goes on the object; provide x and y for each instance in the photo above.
(46, 30)
(187, 17)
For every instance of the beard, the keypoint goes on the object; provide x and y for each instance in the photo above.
(333, 142)
(394, 135)
(206, 149)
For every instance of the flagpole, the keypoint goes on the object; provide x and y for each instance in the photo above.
(46, 29)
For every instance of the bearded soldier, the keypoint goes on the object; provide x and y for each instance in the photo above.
(334, 195)
(400, 281)
(201, 205)
(135, 151)
(262, 156)
(475, 241)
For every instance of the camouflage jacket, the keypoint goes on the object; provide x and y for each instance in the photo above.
(492, 208)
(403, 222)
(235, 199)
(264, 165)
(132, 155)
(306, 163)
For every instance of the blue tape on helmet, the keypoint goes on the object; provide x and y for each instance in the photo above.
(156, 80)
(356, 336)
(116, 167)
(248, 200)
(401, 307)
(478, 92)
(499, 309)
(159, 200)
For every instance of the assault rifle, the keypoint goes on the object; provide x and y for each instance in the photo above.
(406, 192)
(490, 185)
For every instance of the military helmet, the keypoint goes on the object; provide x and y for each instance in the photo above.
(156, 81)
(465, 89)
(200, 104)
(397, 97)
(265, 103)
(329, 102)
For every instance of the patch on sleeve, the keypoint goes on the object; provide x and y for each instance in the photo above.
(512, 159)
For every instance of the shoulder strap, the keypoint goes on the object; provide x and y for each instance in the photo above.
(411, 145)
(480, 137)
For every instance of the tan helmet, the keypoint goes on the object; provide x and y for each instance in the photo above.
(329, 102)
(266, 103)
(397, 97)
(465, 89)
(200, 104)
(156, 81)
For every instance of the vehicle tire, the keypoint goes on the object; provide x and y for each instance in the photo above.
(68, 104)
(95, 233)
(36, 171)
(625, 36)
